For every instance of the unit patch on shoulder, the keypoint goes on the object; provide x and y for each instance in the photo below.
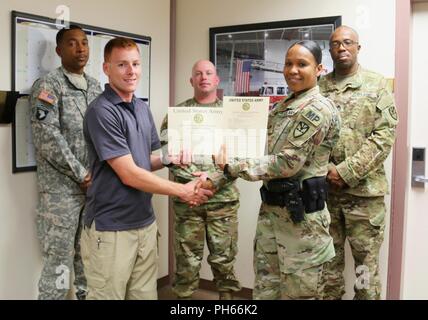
(41, 114)
(392, 113)
(301, 132)
(300, 129)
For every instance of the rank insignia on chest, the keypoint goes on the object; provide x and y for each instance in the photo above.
(300, 129)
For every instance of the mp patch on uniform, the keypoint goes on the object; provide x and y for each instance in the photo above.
(313, 116)
(300, 129)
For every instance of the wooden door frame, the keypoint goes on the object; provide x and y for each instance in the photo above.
(400, 175)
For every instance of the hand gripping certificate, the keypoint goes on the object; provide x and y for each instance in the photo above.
(240, 124)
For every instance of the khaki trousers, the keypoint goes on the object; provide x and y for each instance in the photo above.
(121, 265)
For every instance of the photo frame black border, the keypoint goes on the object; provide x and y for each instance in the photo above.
(336, 21)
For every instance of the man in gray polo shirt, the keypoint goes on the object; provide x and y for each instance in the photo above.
(119, 243)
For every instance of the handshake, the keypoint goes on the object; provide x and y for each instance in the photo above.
(199, 190)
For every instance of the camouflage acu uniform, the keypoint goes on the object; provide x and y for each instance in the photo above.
(58, 104)
(216, 220)
(369, 119)
(289, 257)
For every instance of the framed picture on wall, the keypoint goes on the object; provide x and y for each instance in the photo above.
(250, 57)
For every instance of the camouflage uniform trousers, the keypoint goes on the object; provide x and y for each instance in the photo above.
(218, 223)
(59, 225)
(289, 258)
(362, 221)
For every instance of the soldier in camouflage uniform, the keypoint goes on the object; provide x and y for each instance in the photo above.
(58, 103)
(216, 220)
(356, 174)
(289, 255)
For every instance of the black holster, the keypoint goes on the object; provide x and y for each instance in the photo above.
(287, 193)
(284, 193)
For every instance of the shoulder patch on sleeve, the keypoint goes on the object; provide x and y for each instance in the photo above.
(391, 115)
(301, 132)
(45, 96)
(307, 124)
(41, 113)
(387, 107)
(301, 128)
(313, 116)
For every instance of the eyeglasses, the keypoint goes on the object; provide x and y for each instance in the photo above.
(346, 43)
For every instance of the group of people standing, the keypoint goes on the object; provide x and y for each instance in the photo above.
(323, 179)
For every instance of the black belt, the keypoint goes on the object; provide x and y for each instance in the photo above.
(287, 193)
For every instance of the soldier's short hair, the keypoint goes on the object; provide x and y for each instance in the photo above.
(61, 33)
(119, 42)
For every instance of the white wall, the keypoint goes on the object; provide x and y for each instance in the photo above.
(19, 250)
(374, 20)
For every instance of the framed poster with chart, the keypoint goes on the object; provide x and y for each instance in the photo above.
(33, 56)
